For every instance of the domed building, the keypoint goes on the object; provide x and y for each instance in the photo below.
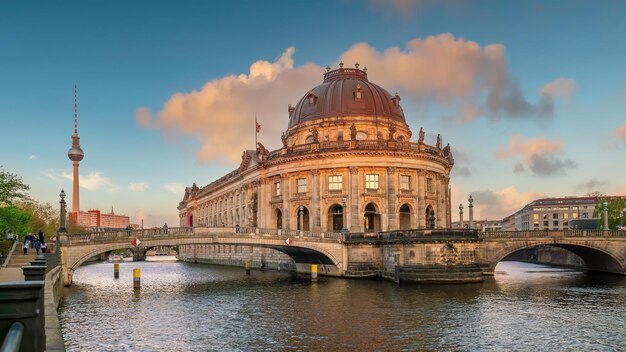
(349, 162)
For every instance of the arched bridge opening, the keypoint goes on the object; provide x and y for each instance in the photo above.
(595, 259)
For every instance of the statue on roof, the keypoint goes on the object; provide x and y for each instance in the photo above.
(438, 141)
(283, 138)
(353, 132)
(316, 135)
(262, 151)
(421, 136)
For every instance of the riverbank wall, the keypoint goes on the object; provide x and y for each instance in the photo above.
(53, 294)
(236, 255)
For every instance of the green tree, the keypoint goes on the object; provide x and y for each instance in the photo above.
(15, 219)
(43, 217)
(12, 188)
(615, 213)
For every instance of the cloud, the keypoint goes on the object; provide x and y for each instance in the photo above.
(620, 133)
(452, 72)
(591, 185)
(175, 188)
(461, 171)
(458, 73)
(620, 191)
(32, 157)
(562, 88)
(538, 155)
(52, 174)
(221, 114)
(501, 203)
(92, 181)
(138, 186)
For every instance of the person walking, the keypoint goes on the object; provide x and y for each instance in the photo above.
(37, 245)
(42, 238)
(26, 243)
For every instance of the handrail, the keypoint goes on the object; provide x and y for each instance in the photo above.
(8, 257)
(13, 339)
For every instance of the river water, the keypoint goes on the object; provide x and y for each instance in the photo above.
(196, 307)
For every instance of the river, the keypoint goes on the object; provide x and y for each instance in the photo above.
(196, 307)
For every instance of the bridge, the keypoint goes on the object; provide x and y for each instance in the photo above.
(452, 255)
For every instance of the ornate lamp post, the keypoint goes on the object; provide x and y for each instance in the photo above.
(471, 212)
(62, 219)
(344, 229)
(605, 210)
(461, 214)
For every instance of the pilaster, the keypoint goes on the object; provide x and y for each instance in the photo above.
(392, 218)
(353, 206)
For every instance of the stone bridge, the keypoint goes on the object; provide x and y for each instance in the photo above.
(306, 247)
(449, 255)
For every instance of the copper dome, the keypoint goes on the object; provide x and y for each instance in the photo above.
(346, 92)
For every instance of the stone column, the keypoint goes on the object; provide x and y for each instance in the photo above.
(441, 204)
(353, 200)
(392, 216)
(421, 201)
(461, 215)
(315, 221)
(284, 191)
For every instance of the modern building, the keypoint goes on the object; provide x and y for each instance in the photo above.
(480, 225)
(552, 213)
(347, 162)
(95, 218)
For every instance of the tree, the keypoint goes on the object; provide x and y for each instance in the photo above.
(12, 188)
(14, 219)
(43, 217)
(615, 213)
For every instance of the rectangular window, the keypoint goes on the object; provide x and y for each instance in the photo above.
(555, 215)
(429, 185)
(335, 183)
(574, 215)
(277, 188)
(301, 185)
(555, 223)
(545, 223)
(536, 224)
(565, 223)
(405, 182)
(371, 181)
(565, 216)
(535, 216)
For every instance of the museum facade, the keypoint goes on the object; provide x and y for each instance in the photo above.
(347, 163)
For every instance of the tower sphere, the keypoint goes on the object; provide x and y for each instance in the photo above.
(76, 154)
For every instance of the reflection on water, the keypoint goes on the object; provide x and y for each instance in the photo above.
(194, 307)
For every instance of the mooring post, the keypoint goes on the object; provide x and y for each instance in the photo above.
(396, 269)
(116, 271)
(247, 267)
(136, 278)
(313, 272)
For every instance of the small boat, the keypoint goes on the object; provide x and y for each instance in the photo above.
(161, 256)
(115, 258)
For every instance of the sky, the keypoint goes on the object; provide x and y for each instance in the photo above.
(530, 95)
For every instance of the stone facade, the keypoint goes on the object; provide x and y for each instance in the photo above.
(347, 164)
(235, 255)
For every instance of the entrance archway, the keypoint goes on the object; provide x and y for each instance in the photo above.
(429, 210)
(405, 217)
(279, 219)
(335, 218)
(305, 218)
(371, 218)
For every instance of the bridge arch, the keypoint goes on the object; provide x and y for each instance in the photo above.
(595, 258)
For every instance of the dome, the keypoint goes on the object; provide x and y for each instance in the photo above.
(346, 92)
(76, 154)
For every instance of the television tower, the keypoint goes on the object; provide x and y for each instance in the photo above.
(75, 154)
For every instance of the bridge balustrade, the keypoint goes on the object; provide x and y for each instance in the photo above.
(553, 233)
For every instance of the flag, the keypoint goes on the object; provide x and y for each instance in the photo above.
(258, 126)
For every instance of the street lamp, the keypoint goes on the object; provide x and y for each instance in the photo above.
(62, 215)
(461, 214)
(605, 209)
(471, 211)
(344, 229)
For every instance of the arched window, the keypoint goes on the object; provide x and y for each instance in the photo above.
(361, 136)
(371, 219)
(405, 217)
(309, 139)
(335, 218)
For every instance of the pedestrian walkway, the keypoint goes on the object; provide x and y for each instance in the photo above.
(13, 270)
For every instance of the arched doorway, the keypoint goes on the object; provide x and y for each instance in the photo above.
(429, 210)
(335, 218)
(303, 212)
(371, 221)
(279, 219)
(405, 217)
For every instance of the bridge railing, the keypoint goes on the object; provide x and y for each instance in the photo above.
(180, 232)
(554, 233)
(411, 235)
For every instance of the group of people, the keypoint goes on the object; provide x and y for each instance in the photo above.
(36, 241)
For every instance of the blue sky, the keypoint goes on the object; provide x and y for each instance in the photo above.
(129, 59)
